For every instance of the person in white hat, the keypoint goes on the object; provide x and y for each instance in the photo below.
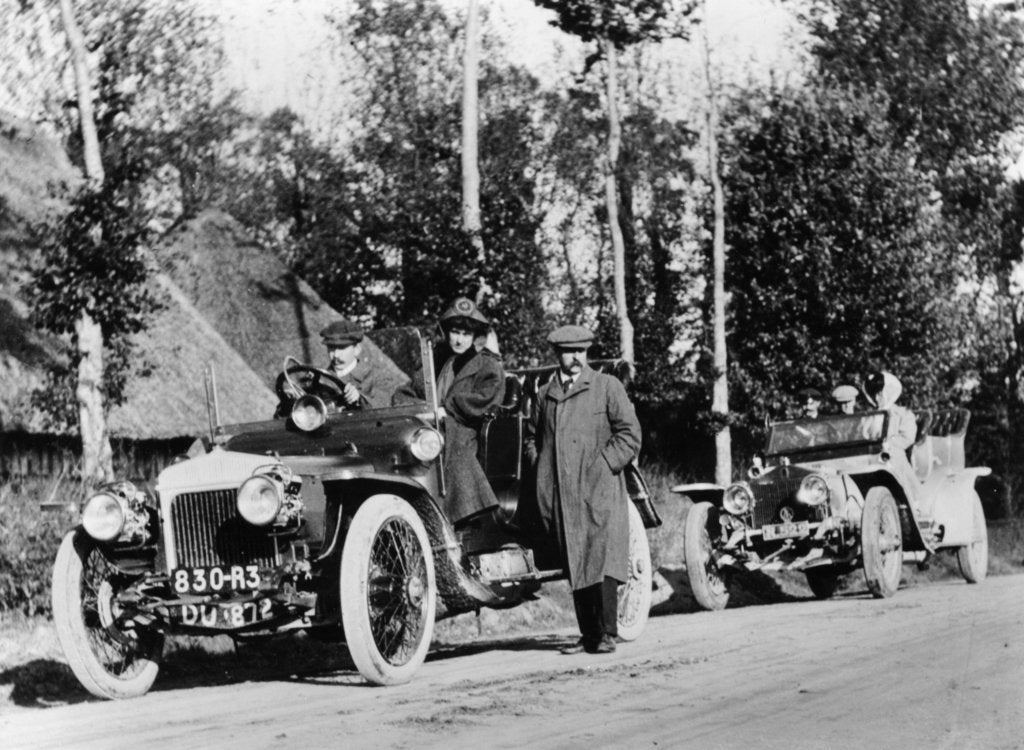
(845, 397)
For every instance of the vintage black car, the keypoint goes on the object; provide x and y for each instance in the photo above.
(826, 498)
(322, 519)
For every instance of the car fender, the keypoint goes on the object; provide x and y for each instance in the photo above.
(885, 477)
(952, 495)
(354, 487)
(702, 492)
(459, 591)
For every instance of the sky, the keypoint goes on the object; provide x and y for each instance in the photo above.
(282, 53)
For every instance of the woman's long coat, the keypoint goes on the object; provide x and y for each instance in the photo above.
(581, 441)
(478, 387)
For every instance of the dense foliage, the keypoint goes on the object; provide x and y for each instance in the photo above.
(838, 264)
(28, 543)
(92, 261)
(952, 76)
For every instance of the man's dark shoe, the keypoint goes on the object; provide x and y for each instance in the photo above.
(576, 648)
(605, 646)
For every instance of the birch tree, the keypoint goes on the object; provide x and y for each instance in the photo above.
(720, 386)
(614, 25)
(471, 223)
(97, 456)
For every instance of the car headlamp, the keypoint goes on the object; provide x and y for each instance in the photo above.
(426, 444)
(813, 490)
(309, 413)
(103, 517)
(260, 499)
(738, 499)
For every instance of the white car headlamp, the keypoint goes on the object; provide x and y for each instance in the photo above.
(813, 490)
(426, 444)
(103, 517)
(738, 499)
(260, 499)
(309, 413)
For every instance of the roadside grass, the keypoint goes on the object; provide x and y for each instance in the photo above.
(33, 672)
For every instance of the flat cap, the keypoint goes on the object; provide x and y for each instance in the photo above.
(805, 393)
(843, 393)
(571, 337)
(342, 333)
(464, 310)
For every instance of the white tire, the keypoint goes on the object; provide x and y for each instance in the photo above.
(109, 656)
(635, 594)
(388, 590)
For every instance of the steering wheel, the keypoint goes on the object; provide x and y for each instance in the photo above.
(297, 380)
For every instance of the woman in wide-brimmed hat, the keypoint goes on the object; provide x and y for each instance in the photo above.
(470, 383)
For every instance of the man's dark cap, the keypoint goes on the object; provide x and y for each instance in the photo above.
(463, 310)
(571, 337)
(342, 333)
(805, 393)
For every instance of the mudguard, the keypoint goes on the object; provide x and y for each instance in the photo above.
(953, 505)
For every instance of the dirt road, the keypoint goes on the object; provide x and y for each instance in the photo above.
(937, 666)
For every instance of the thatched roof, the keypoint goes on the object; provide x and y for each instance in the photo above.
(32, 169)
(165, 394)
(246, 292)
(166, 398)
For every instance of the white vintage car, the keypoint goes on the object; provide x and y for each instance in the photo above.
(826, 498)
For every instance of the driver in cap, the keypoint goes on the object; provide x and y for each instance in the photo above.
(344, 342)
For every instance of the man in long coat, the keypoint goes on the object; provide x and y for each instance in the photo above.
(582, 433)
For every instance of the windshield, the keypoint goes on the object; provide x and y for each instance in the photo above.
(839, 429)
(390, 371)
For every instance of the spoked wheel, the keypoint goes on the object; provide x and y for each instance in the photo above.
(881, 543)
(109, 655)
(388, 592)
(706, 580)
(823, 581)
(635, 594)
(973, 558)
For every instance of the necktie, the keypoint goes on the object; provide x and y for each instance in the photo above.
(566, 385)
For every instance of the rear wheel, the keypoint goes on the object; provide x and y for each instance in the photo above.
(635, 594)
(823, 582)
(706, 580)
(388, 591)
(973, 558)
(881, 543)
(109, 655)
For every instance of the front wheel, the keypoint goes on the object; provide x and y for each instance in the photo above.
(388, 591)
(881, 543)
(635, 594)
(973, 558)
(706, 580)
(109, 655)
(822, 581)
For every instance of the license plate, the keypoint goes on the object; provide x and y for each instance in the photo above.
(227, 616)
(216, 579)
(786, 530)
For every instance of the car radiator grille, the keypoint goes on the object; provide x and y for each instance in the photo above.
(208, 531)
(771, 496)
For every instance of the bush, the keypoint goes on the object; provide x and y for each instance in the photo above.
(29, 538)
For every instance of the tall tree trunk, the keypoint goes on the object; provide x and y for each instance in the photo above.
(97, 456)
(611, 195)
(720, 389)
(86, 116)
(471, 224)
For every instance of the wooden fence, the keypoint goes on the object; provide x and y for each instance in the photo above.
(27, 455)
